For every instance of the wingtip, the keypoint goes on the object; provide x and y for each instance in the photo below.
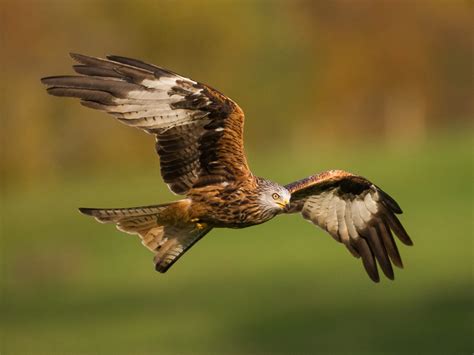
(81, 58)
(390, 202)
(405, 238)
(75, 56)
(374, 278)
(398, 263)
(372, 272)
(50, 80)
(409, 242)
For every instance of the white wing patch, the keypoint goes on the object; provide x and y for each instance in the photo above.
(342, 216)
(139, 95)
(151, 109)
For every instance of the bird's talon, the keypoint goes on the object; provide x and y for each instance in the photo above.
(200, 226)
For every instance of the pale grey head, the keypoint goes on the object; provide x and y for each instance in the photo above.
(273, 197)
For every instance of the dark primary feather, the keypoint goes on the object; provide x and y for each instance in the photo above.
(199, 131)
(356, 213)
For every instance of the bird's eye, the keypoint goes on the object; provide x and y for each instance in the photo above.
(275, 196)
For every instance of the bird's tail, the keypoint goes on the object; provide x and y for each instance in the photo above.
(164, 229)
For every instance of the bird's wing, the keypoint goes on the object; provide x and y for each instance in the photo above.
(199, 131)
(356, 213)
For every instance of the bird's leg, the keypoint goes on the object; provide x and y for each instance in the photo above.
(199, 225)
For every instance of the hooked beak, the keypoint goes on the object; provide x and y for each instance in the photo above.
(285, 205)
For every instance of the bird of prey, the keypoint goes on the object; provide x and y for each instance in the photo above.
(199, 140)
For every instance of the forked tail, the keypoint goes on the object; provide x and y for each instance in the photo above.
(164, 229)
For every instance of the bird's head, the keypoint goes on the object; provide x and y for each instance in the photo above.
(274, 196)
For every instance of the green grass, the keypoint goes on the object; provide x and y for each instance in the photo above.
(73, 286)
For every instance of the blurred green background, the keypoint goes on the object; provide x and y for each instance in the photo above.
(379, 88)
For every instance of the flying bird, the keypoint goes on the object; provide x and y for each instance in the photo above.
(199, 140)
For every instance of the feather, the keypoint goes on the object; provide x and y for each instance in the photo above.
(389, 244)
(341, 222)
(370, 204)
(397, 227)
(367, 259)
(331, 218)
(94, 71)
(380, 252)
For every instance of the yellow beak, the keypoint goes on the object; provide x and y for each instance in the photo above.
(284, 204)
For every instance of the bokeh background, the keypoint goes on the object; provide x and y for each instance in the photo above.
(379, 88)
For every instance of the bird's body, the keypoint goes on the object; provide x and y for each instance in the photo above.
(226, 205)
(199, 139)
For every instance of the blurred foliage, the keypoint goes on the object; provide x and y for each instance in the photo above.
(379, 88)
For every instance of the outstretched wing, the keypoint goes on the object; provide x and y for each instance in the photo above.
(199, 131)
(356, 213)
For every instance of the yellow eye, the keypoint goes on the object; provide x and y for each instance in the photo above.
(275, 196)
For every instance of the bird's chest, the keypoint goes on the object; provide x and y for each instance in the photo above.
(238, 214)
(232, 209)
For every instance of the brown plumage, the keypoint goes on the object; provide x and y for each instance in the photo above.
(199, 139)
